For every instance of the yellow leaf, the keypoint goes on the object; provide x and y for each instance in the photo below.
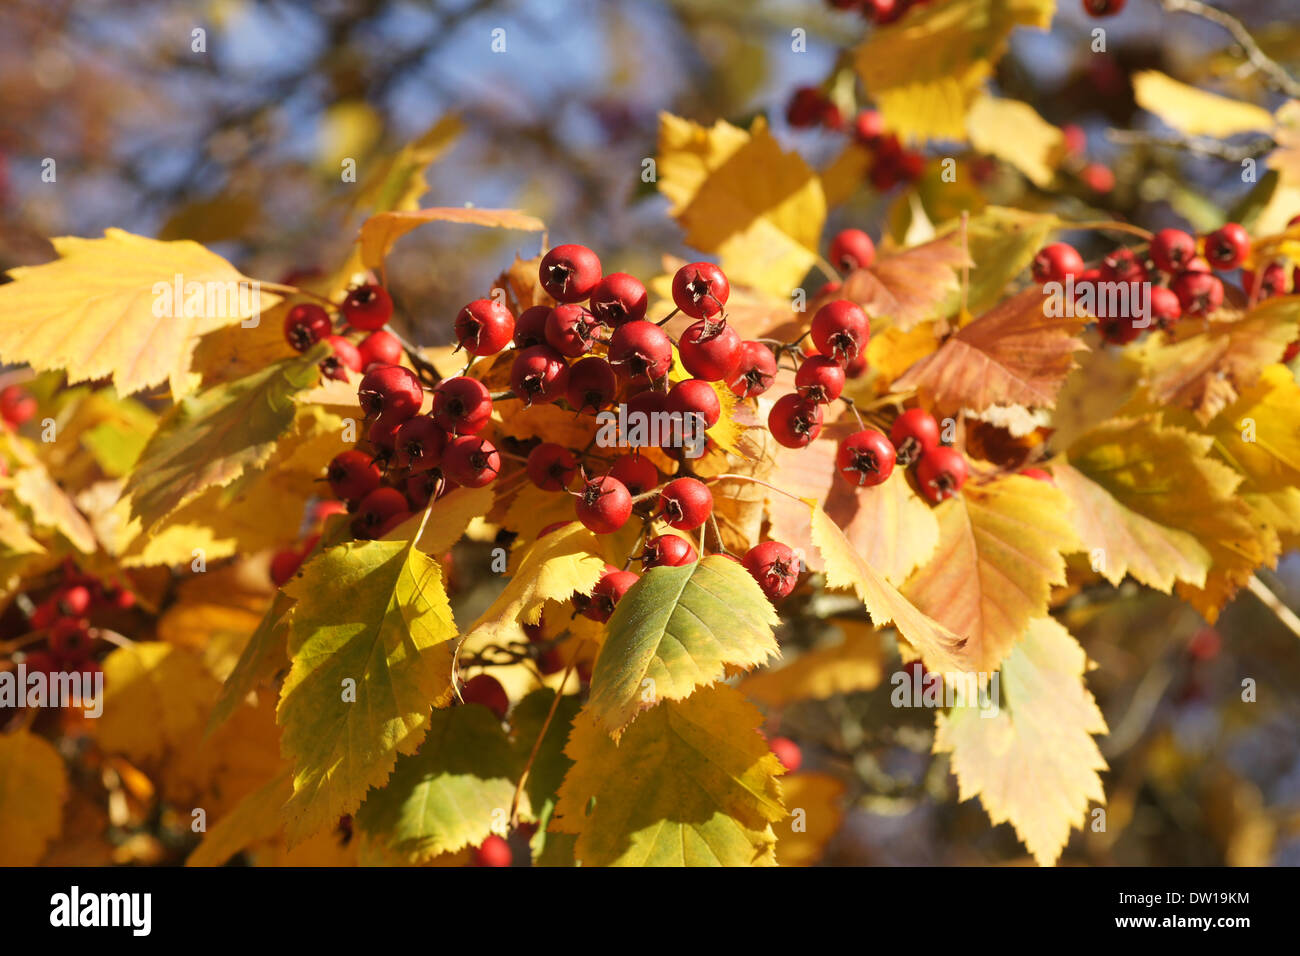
(1196, 112)
(1033, 763)
(691, 783)
(1002, 242)
(742, 197)
(15, 538)
(156, 697)
(380, 231)
(1001, 549)
(256, 817)
(814, 801)
(33, 789)
(941, 649)
(52, 508)
(92, 312)
(908, 286)
(1015, 133)
(449, 518)
(399, 183)
(855, 663)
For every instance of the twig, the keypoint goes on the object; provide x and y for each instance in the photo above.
(537, 744)
(1274, 604)
(1199, 145)
(1279, 77)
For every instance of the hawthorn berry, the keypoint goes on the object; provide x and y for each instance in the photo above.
(344, 356)
(420, 443)
(305, 325)
(530, 327)
(1098, 178)
(774, 566)
(1103, 8)
(700, 290)
(640, 351)
(1055, 262)
(820, 379)
(461, 405)
(608, 591)
(471, 461)
(494, 851)
(645, 405)
(539, 375)
(569, 273)
(1166, 310)
(375, 510)
(70, 639)
(794, 421)
(710, 350)
(787, 751)
(1123, 265)
(808, 106)
(41, 662)
(618, 298)
(695, 396)
(484, 327)
(1291, 352)
(1199, 293)
(551, 466)
(865, 458)
(380, 348)
(382, 434)
(592, 384)
(422, 486)
(852, 249)
(1119, 329)
(17, 405)
(604, 505)
(1037, 474)
(74, 600)
(1172, 249)
(486, 690)
(941, 472)
(1227, 247)
(755, 372)
(667, 551)
(391, 392)
(352, 475)
(367, 307)
(1273, 282)
(685, 503)
(637, 472)
(869, 126)
(284, 565)
(840, 330)
(571, 330)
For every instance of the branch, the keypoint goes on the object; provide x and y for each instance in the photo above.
(1274, 604)
(1278, 77)
(1198, 145)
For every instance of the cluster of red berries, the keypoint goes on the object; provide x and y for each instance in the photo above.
(891, 162)
(366, 308)
(65, 616)
(17, 405)
(1103, 8)
(1182, 280)
(879, 12)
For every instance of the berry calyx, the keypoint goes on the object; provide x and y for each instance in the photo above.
(700, 290)
(794, 421)
(1123, 265)
(1227, 247)
(788, 752)
(695, 397)
(640, 352)
(375, 510)
(637, 472)
(710, 350)
(941, 472)
(1055, 262)
(820, 379)
(420, 443)
(685, 503)
(865, 458)
(571, 330)
(755, 372)
(305, 325)
(608, 591)
(367, 307)
(380, 348)
(471, 461)
(352, 475)
(551, 466)
(840, 330)
(539, 375)
(592, 384)
(1172, 249)
(604, 505)
(667, 551)
(484, 327)
(390, 392)
(913, 434)
(569, 273)
(344, 357)
(486, 690)
(617, 299)
(461, 405)
(70, 639)
(1199, 293)
(774, 566)
(852, 249)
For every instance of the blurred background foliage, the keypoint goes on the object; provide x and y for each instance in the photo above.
(240, 148)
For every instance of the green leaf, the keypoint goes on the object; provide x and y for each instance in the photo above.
(450, 794)
(209, 439)
(371, 649)
(1002, 242)
(548, 769)
(679, 628)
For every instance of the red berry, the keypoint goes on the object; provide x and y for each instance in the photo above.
(420, 444)
(774, 566)
(608, 591)
(618, 298)
(852, 249)
(551, 467)
(869, 126)
(1227, 247)
(637, 472)
(1273, 283)
(1076, 140)
(284, 565)
(1166, 310)
(640, 351)
(667, 551)
(569, 273)
(794, 421)
(865, 458)
(700, 290)
(1119, 329)
(73, 600)
(1100, 179)
(604, 505)
(710, 350)
(41, 662)
(461, 405)
(486, 690)
(787, 751)
(1103, 8)
(1037, 474)
(806, 108)
(70, 639)
(1055, 262)
(344, 357)
(1200, 293)
(1172, 249)
(1123, 265)
(592, 384)
(571, 330)
(695, 397)
(424, 485)
(380, 348)
(367, 307)
(685, 503)
(305, 325)
(382, 435)
(471, 461)
(375, 510)
(941, 472)
(755, 372)
(484, 327)
(390, 392)
(1291, 352)
(840, 330)
(494, 852)
(539, 375)
(820, 379)
(530, 327)
(353, 475)
(17, 405)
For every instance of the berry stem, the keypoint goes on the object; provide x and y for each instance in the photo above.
(757, 481)
(1106, 225)
(537, 744)
(1277, 76)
